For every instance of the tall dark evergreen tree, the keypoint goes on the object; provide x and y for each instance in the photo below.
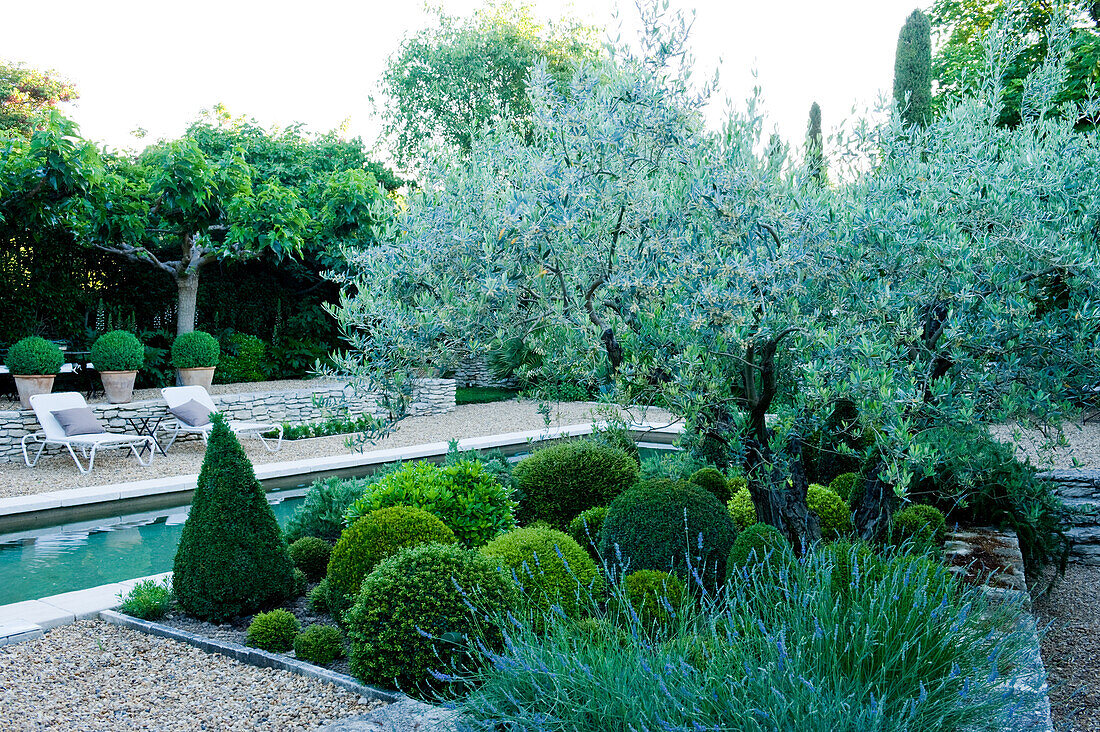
(913, 70)
(232, 558)
(815, 146)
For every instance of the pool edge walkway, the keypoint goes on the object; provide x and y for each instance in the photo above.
(72, 497)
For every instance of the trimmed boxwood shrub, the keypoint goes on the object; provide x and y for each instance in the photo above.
(585, 529)
(34, 356)
(413, 614)
(232, 558)
(757, 545)
(274, 631)
(317, 600)
(464, 496)
(195, 350)
(311, 555)
(645, 529)
(301, 582)
(549, 567)
(378, 535)
(652, 595)
(713, 481)
(924, 525)
(319, 644)
(832, 512)
(118, 350)
(844, 484)
(620, 438)
(559, 481)
(742, 509)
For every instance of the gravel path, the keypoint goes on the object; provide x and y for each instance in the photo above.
(57, 472)
(1071, 648)
(1082, 445)
(94, 676)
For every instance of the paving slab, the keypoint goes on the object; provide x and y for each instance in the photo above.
(90, 602)
(37, 612)
(18, 632)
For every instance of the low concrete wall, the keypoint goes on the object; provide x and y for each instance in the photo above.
(1079, 489)
(430, 396)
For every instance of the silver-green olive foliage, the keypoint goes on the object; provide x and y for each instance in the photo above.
(948, 278)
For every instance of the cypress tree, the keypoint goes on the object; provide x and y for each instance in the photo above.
(232, 558)
(913, 70)
(815, 147)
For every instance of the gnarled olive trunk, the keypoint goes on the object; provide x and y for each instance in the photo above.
(778, 486)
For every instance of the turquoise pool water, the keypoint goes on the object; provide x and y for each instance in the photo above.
(58, 559)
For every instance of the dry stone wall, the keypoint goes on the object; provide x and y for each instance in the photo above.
(430, 396)
(1079, 489)
(475, 371)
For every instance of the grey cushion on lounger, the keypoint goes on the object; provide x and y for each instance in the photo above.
(191, 413)
(78, 421)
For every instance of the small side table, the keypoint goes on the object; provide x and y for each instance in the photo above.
(147, 425)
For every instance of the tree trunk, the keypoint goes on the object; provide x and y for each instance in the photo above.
(187, 285)
(873, 514)
(779, 495)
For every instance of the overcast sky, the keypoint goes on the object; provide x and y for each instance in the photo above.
(155, 65)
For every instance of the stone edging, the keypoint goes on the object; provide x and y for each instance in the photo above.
(1079, 491)
(252, 656)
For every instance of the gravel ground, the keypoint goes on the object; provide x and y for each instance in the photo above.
(1082, 444)
(57, 472)
(1071, 648)
(94, 676)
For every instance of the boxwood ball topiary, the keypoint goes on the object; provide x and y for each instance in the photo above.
(655, 596)
(195, 350)
(742, 510)
(659, 523)
(274, 631)
(311, 555)
(34, 356)
(559, 481)
(413, 614)
(924, 525)
(585, 529)
(118, 350)
(232, 559)
(833, 514)
(549, 567)
(713, 481)
(759, 545)
(378, 535)
(844, 484)
(319, 644)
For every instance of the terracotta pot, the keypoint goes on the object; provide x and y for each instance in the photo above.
(28, 386)
(118, 385)
(203, 377)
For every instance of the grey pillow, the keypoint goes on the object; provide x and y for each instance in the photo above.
(78, 421)
(191, 413)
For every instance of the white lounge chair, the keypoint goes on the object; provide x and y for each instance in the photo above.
(53, 433)
(177, 396)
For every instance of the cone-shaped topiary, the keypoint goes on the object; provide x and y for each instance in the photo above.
(232, 559)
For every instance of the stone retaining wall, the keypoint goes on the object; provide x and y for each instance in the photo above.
(430, 396)
(475, 371)
(1079, 489)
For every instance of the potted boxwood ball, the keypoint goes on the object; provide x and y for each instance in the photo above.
(195, 355)
(117, 356)
(34, 362)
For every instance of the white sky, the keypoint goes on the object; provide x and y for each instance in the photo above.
(155, 65)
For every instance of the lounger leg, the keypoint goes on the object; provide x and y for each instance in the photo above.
(172, 440)
(41, 446)
(137, 453)
(81, 468)
(278, 442)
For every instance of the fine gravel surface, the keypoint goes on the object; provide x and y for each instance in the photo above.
(95, 676)
(57, 472)
(1078, 446)
(1071, 648)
